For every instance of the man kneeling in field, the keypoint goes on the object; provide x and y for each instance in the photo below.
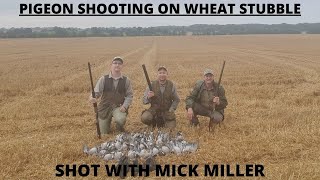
(203, 100)
(116, 95)
(164, 101)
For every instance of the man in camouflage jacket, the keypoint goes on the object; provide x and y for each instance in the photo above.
(203, 100)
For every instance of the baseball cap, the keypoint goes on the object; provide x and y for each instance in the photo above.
(162, 67)
(207, 71)
(117, 58)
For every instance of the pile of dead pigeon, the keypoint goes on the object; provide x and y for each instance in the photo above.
(146, 145)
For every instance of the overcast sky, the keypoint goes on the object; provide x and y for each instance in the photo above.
(9, 15)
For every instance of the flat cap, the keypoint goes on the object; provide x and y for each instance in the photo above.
(162, 67)
(117, 58)
(207, 71)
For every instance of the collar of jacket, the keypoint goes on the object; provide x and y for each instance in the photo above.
(110, 76)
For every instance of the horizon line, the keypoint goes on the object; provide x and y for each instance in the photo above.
(157, 25)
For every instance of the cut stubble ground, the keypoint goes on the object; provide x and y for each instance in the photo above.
(272, 84)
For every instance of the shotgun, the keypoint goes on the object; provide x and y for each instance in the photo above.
(94, 104)
(216, 93)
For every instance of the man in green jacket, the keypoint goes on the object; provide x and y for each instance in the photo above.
(204, 101)
(164, 101)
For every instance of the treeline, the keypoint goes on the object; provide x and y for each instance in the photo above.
(198, 29)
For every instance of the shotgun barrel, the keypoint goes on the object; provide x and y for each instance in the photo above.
(147, 77)
(219, 82)
(95, 106)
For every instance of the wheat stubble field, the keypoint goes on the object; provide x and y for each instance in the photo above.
(272, 84)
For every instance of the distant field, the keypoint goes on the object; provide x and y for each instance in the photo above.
(272, 84)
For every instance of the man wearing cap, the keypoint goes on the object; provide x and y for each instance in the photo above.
(164, 101)
(203, 100)
(116, 95)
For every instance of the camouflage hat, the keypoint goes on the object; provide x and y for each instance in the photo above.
(207, 71)
(117, 58)
(162, 67)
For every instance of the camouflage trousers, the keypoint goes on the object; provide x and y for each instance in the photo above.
(105, 117)
(148, 117)
(198, 109)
